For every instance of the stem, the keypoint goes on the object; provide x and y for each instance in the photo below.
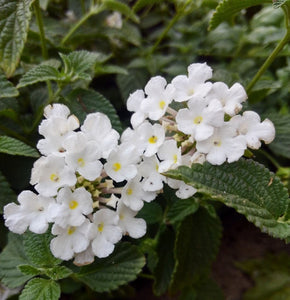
(275, 52)
(83, 6)
(147, 276)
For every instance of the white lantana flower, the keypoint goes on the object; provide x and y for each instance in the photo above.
(134, 227)
(122, 163)
(184, 190)
(133, 194)
(230, 98)
(72, 207)
(200, 118)
(170, 156)
(104, 232)
(114, 20)
(83, 156)
(97, 127)
(50, 173)
(250, 126)
(223, 145)
(152, 179)
(85, 257)
(134, 103)
(69, 240)
(159, 96)
(33, 212)
(194, 84)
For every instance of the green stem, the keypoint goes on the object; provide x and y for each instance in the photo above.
(83, 6)
(93, 11)
(147, 276)
(274, 54)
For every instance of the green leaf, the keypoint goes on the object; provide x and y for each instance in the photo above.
(279, 3)
(43, 4)
(151, 213)
(165, 265)
(143, 3)
(245, 185)
(281, 143)
(182, 208)
(196, 246)
(83, 102)
(39, 73)
(6, 195)
(40, 289)
(122, 8)
(110, 69)
(227, 9)
(109, 273)
(14, 23)
(13, 146)
(12, 256)
(57, 272)
(7, 89)
(37, 249)
(29, 270)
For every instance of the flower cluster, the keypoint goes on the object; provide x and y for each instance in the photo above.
(91, 182)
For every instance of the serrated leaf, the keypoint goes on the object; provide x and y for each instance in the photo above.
(165, 264)
(281, 143)
(227, 9)
(29, 270)
(12, 256)
(40, 289)
(6, 195)
(245, 185)
(82, 102)
(120, 7)
(181, 209)
(109, 273)
(14, 23)
(13, 146)
(39, 73)
(196, 246)
(7, 89)
(37, 249)
(57, 272)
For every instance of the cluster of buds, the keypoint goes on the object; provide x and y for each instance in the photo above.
(91, 182)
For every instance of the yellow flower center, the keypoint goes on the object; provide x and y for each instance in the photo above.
(217, 143)
(197, 120)
(190, 92)
(81, 162)
(121, 217)
(73, 204)
(153, 139)
(162, 104)
(175, 158)
(116, 167)
(54, 177)
(101, 227)
(129, 192)
(71, 230)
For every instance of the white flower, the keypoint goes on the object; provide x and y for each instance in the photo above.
(250, 126)
(83, 156)
(97, 127)
(230, 98)
(223, 145)
(184, 190)
(134, 103)
(200, 119)
(56, 110)
(159, 96)
(72, 206)
(69, 240)
(104, 232)
(133, 194)
(134, 227)
(170, 156)
(50, 173)
(194, 84)
(33, 212)
(114, 20)
(152, 179)
(121, 163)
(85, 257)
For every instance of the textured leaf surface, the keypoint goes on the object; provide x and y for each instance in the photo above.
(151, 213)
(39, 73)
(245, 185)
(12, 256)
(13, 146)
(281, 143)
(279, 3)
(40, 289)
(14, 23)
(37, 249)
(196, 246)
(227, 9)
(6, 195)
(7, 89)
(119, 268)
(83, 102)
